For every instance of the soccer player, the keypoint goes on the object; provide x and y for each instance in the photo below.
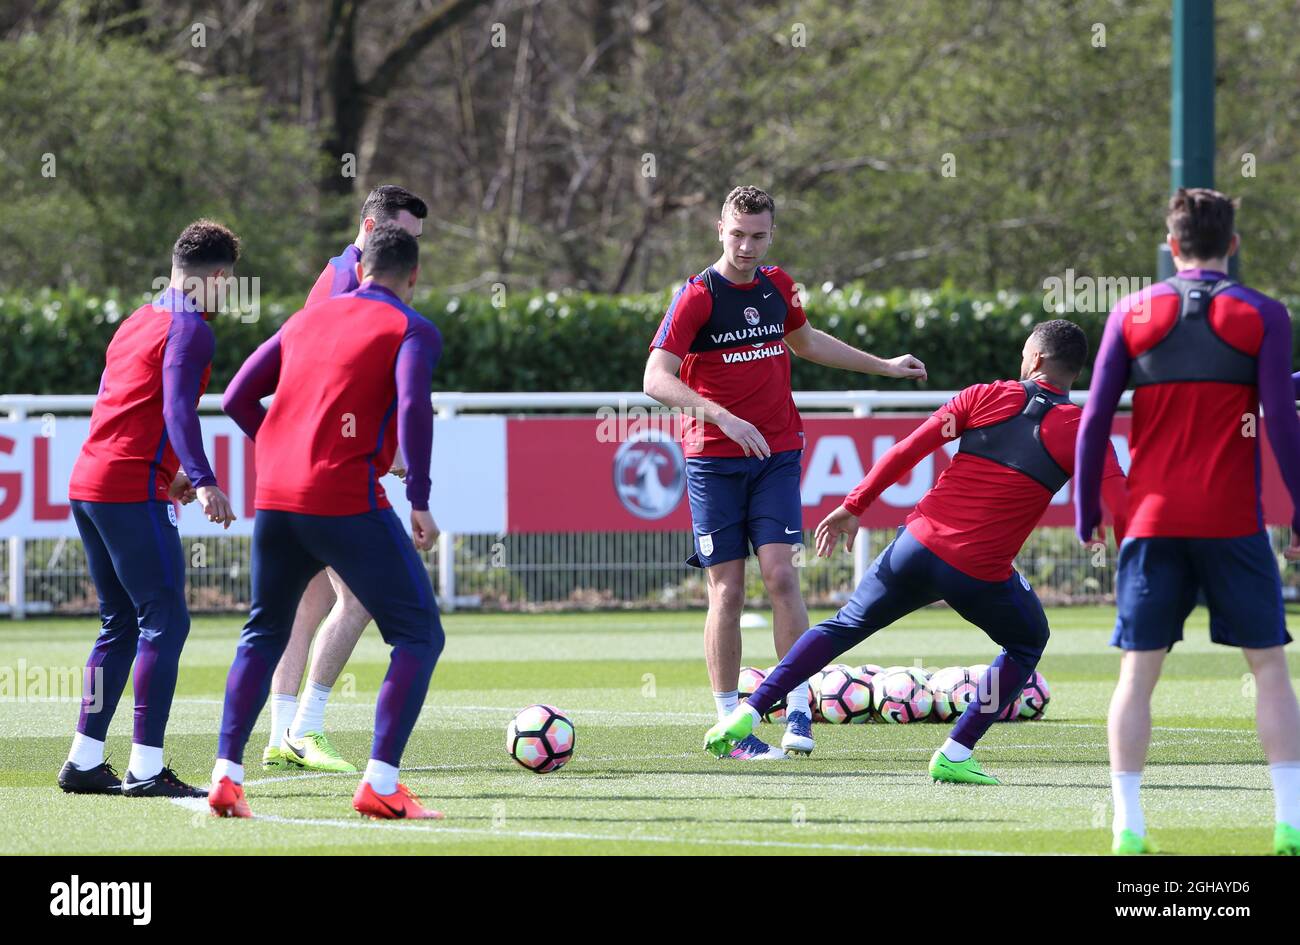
(350, 376)
(728, 334)
(145, 450)
(1203, 353)
(1016, 452)
(298, 728)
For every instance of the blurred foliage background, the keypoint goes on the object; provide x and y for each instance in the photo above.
(583, 147)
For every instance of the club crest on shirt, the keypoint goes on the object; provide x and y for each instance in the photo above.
(751, 315)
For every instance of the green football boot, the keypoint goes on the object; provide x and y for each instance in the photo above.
(1129, 843)
(273, 757)
(314, 752)
(735, 728)
(1286, 840)
(959, 772)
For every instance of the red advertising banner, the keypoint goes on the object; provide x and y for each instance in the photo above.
(571, 475)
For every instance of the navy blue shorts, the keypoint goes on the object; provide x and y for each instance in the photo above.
(907, 576)
(1158, 580)
(739, 502)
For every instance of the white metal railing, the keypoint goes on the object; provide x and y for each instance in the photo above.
(861, 403)
(447, 403)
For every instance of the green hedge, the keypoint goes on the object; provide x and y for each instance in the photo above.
(54, 342)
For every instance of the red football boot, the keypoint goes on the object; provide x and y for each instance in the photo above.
(227, 800)
(400, 805)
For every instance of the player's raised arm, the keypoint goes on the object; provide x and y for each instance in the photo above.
(256, 378)
(943, 425)
(813, 344)
(1109, 377)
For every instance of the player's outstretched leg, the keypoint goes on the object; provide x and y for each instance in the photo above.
(777, 491)
(815, 648)
(893, 587)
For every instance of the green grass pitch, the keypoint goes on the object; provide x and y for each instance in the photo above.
(635, 686)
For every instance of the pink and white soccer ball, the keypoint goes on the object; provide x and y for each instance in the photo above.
(540, 738)
(900, 699)
(916, 672)
(1034, 697)
(815, 689)
(844, 698)
(867, 670)
(750, 679)
(1011, 711)
(953, 689)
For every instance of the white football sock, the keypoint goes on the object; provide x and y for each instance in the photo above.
(227, 769)
(380, 776)
(86, 752)
(955, 751)
(311, 711)
(283, 709)
(726, 702)
(1128, 809)
(1286, 792)
(146, 761)
(797, 700)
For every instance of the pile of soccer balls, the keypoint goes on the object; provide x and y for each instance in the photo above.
(843, 694)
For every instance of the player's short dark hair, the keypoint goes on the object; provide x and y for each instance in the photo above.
(390, 251)
(1063, 343)
(205, 244)
(388, 200)
(1203, 221)
(749, 200)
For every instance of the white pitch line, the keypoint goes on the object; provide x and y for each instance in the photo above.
(197, 805)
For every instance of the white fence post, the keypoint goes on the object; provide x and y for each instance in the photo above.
(17, 554)
(447, 546)
(17, 578)
(861, 547)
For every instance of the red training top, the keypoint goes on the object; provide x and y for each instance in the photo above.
(728, 336)
(979, 513)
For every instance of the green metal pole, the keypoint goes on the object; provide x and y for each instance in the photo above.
(1191, 120)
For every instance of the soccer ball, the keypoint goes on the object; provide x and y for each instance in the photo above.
(1034, 697)
(867, 670)
(844, 698)
(777, 712)
(953, 689)
(750, 680)
(540, 738)
(1011, 711)
(815, 688)
(916, 672)
(899, 698)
